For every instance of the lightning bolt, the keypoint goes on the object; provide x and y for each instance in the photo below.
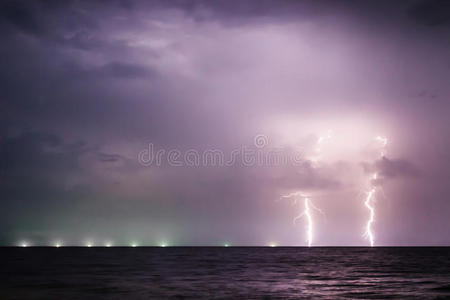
(318, 150)
(369, 204)
(383, 141)
(307, 203)
(370, 198)
(307, 213)
(309, 229)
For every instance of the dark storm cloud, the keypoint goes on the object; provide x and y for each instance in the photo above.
(431, 12)
(391, 168)
(115, 69)
(46, 158)
(104, 157)
(21, 15)
(305, 177)
(123, 70)
(50, 20)
(70, 22)
(27, 154)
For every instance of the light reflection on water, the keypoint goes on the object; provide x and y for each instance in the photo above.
(250, 273)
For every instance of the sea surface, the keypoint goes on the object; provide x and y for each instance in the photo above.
(224, 273)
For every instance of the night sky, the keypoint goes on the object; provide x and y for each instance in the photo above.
(87, 86)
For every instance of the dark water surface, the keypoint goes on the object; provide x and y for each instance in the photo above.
(239, 273)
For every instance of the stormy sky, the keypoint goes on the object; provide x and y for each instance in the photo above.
(88, 87)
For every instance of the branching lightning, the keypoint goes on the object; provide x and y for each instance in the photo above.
(307, 213)
(307, 203)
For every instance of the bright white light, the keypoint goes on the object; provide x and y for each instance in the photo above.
(133, 245)
(226, 245)
(370, 198)
(89, 245)
(24, 245)
(163, 245)
(57, 245)
(307, 213)
(309, 221)
(272, 245)
(383, 142)
(368, 233)
(108, 245)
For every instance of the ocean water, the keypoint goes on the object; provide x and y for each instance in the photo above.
(225, 273)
